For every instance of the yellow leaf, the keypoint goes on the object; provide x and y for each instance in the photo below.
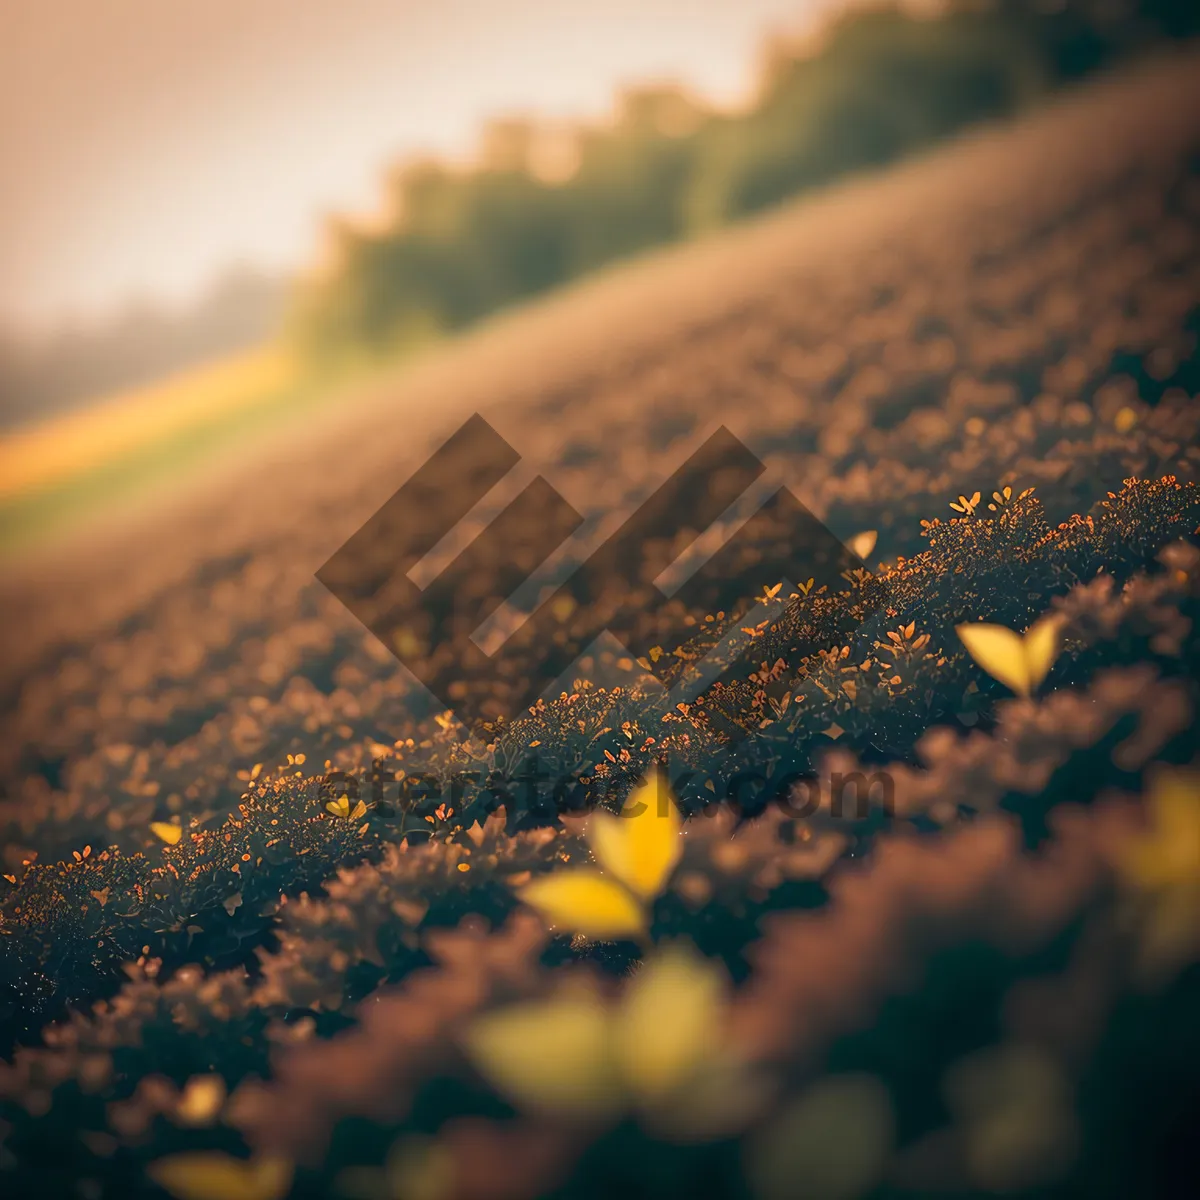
(667, 1023)
(837, 1138)
(1020, 663)
(166, 831)
(1042, 644)
(1169, 852)
(550, 1055)
(211, 1175)
(583, 901)
(1125, 419)
(1000, 652)
(863, 543)
(1170, 932)
(643, 844)
(720, 1100)
(201, 1100)
(1162, 867)
(418, 1168)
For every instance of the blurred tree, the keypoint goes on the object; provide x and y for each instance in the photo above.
(545, 205)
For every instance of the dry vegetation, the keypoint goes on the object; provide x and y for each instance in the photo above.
(992, 990)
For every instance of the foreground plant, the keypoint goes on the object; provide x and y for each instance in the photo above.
(1019, 661)
(657, 1051)
(1161, 870)
(211, 1175)
(636, 853)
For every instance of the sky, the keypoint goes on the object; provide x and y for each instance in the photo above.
(147, 145)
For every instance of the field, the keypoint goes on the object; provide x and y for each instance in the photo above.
(54, 472)
(216, 978)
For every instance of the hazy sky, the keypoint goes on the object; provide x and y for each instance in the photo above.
(147, 144)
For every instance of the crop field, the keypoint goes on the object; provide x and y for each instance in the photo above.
(220, 978)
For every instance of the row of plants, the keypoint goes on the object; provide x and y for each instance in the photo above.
(505, 1003)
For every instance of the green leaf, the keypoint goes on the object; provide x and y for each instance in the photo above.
(831, 1144)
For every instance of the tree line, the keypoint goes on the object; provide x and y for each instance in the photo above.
(542, 205)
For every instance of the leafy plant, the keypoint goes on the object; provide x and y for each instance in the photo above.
(1018, 661)
(579, 1056)
(211, 1175)
(636, 852)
